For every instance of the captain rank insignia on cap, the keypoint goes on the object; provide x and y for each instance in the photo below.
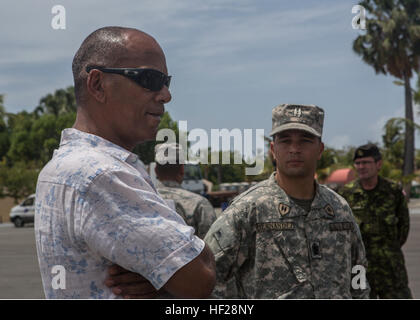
(329, 210)
(283, 209)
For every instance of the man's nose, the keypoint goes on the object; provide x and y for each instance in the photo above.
(164, 95)
(294, 147)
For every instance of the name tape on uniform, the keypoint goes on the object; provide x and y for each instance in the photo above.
(279, 226)
(341, 226)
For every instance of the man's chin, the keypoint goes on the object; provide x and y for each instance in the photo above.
(296, 173)
(150, 136)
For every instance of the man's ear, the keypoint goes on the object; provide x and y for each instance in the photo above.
(272, 149)
(95, 85)
(321, 149)
(379, 164)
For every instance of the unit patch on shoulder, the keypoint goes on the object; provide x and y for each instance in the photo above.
(328, 209)
(283, 209)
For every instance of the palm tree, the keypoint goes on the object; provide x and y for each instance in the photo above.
(391, 45)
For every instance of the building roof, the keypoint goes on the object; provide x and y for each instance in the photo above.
(341, 176)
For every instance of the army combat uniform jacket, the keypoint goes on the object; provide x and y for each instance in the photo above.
(196, 210)
(383, 219)
(266, 246)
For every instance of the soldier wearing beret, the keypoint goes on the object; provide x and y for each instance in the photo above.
(288, 236)
(196, 210)
(381, 211)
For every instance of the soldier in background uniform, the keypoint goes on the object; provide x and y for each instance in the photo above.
(196, 210)
(381, 211)
(288, 236)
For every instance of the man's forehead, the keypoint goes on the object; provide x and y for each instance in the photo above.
(370, 158)
(295, 132)
(142, 50)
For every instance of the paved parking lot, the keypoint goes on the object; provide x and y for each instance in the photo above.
(20, 277)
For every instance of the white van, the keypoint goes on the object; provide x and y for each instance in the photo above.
(24, 212)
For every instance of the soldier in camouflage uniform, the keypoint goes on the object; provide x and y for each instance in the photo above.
(196, 210)
(288, 236)
(382, 214)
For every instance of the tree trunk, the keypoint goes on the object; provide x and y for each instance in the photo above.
(408, 167)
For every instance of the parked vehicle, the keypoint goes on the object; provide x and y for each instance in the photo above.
(24, 212)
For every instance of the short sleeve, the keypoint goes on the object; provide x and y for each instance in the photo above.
(127, 222)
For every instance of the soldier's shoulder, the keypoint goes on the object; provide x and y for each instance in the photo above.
(387, 183)
(183, 194)
(332, 196)
(349, 187)
(327, 191)
(254, 193)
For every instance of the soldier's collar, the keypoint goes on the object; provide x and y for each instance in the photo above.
(318, 201)
(171, 184)
(378, 186)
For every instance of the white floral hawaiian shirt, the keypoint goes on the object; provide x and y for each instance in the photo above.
(97, 206)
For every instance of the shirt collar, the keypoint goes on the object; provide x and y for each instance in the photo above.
(73, 137)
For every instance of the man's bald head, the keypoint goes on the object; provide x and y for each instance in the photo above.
(111, 47)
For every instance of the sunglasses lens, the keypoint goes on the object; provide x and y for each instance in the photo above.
(152, 80)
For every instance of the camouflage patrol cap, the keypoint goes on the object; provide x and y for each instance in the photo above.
(169, 153)
(309, 118)
(367, 150)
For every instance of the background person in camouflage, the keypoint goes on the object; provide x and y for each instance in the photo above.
(196, 210)
(382, 214)
(288, 236)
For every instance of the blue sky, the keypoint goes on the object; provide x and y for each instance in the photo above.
(231, 61)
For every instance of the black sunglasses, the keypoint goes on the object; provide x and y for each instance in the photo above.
(147, 78)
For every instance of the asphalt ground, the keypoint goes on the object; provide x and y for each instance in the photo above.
(20, 277)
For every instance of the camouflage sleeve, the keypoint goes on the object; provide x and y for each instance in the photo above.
(403, 219)
(204, 216)
(224, 239)
(359, 286)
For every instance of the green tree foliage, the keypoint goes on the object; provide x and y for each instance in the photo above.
(391, 45)
(17, 181)
(326, 164)
(28, 139)
(393, 142)
(62, 101)
(36, 139)
(221, 173)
